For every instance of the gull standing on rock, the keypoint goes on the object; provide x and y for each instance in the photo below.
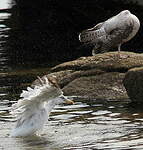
(33, 109)
(111, 33)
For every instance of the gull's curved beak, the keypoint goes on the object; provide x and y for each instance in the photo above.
(66, 100)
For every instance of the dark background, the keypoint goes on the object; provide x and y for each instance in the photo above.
(46, 31)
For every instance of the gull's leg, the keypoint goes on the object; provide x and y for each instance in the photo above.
(119, 50)
(120, 56)
(93, 52)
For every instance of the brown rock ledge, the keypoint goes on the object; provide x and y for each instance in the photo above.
(97, 77)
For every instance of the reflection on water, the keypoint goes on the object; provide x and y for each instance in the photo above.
(3, 38)
(6, 4)
(85, 125)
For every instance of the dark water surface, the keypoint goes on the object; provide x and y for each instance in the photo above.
(88, 124)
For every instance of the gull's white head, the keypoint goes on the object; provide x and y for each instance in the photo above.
(125, 12)
(123, 15)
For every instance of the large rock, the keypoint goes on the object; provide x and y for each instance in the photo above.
(133, 83)
(96, 77)
(103, 86)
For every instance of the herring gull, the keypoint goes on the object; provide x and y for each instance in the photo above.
(111, 33)
(33, 109)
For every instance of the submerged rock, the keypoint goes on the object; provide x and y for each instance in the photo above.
(97, 77)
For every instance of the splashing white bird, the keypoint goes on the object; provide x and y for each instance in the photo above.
(111, 33)
(33, 109)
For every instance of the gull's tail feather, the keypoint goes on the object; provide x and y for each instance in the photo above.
(86, 36)
(91, 35)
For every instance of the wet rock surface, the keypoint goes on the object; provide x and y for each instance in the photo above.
(97, 77)
(133, 83)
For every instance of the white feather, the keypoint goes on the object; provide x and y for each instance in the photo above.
(33, 109)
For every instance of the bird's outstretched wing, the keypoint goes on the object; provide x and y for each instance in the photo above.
(39, 94)
(30, 110)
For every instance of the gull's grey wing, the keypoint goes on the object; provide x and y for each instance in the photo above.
(121, 34)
